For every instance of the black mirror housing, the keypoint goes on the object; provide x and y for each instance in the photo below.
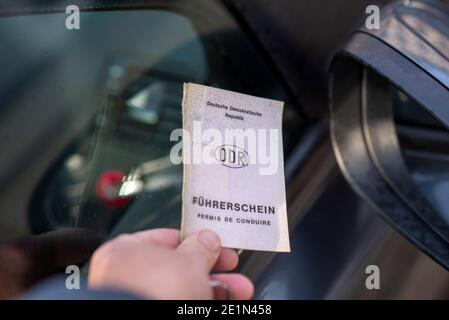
(410, 52)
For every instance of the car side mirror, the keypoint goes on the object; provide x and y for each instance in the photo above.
(408, 56)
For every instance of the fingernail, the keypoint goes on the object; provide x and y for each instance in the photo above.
(210, 239)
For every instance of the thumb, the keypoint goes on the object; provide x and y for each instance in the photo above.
(202, 248)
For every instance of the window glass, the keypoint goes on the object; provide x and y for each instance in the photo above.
(408, 112)
(82, 109)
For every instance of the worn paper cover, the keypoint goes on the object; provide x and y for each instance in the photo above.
(238, 193)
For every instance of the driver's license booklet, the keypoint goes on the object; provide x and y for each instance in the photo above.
(233, 168)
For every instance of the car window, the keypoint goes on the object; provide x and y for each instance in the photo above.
(82, 110)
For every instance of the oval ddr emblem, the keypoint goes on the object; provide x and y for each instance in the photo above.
(232, 156)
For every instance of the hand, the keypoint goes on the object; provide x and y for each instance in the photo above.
(154, 264)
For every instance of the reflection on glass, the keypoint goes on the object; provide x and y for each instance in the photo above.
(85, 123)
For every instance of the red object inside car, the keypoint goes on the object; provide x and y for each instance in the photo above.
(108, 187)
